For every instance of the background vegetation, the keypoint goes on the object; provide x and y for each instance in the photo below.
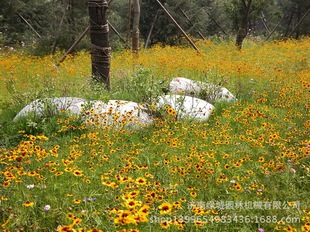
(57, 23)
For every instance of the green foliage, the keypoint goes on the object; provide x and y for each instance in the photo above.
(59, 23)
(164, 29)
(59, 27)
(271, 12)
(235, 10)
(47, 123)
(141, 87)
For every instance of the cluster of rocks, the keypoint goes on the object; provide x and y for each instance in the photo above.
(183, 98)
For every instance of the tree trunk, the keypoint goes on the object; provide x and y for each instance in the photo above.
(135, 27)
(99, 36)
(243, 29)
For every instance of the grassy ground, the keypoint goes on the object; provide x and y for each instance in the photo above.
(245, 169)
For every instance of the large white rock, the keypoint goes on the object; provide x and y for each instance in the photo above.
(117, 113)
(52, 106)
(210, 92)
(181, 85)
(187, 106)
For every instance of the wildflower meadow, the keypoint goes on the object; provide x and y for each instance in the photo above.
(244, 169)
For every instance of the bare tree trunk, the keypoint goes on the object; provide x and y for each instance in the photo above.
(243, 29)
(99, 36)
(135, 27)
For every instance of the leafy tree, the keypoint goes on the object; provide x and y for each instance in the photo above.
(59, 22)
(295, 10)
(12, 25)
(245, 16)
(70, 19)
(56, 21)
(165, 31)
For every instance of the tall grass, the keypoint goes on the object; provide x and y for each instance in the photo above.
(245, 169)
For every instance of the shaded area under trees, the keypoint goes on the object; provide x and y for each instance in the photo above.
(60, 22)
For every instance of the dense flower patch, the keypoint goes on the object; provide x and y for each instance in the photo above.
(245, 169)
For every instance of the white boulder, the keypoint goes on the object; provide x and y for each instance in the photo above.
(181, 85)
(187, 106)
(117, 113)
(51, 106)
(211, 92)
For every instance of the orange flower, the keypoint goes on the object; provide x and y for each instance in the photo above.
(65, 229)
(77, 173)
(165, 208)
(141, 181)
(28, 204)
(76, 201)
(165, 224)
